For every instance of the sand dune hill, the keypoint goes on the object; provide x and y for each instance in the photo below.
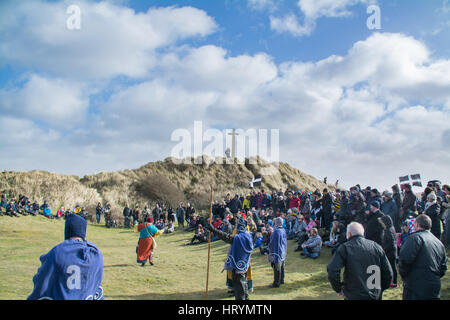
(161, 179)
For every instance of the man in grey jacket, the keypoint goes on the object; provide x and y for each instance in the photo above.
(422, 263)
(311, 248)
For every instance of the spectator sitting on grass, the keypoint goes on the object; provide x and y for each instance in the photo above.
(259, 240)
(192, 224)
(35, 208)
(217, 222)
(170, 227)
(160, 224)
(311, 248)
(47, 211)
(264, 248)
(252, 227)
(303, 235)
(332, 242)
(11, 209)
(200, 236)
(259, 225)
(298, 228)
(60, 213)
(227, 227)
(28, 208)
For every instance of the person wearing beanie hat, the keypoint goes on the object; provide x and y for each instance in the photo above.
(375, 204)
(146, 244)
(239, 255)
(277, 252)
(75, 227)
(72, 270)
(389, 208)
(433, 210)
(374, 229)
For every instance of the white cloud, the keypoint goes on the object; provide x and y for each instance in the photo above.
(262, 4)
(113, 40)
(313, 10)
(57, 102)
(290, 24)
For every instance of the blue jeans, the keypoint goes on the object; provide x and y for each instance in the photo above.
(98, 216)
(312, 255)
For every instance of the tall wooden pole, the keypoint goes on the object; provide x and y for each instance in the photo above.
(209, 243)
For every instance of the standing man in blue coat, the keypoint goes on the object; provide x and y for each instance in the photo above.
(277, 252)
(72, 270)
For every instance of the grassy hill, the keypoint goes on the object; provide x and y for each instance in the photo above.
(183, 182)
(179, 271)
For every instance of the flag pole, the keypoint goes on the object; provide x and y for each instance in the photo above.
(209, 243)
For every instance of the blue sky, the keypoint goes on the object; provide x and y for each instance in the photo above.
(348, 101)
(243, 30)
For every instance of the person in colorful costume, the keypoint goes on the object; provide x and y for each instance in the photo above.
(147, 234)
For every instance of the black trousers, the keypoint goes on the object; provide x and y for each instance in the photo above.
(391, 257)
(278, 273)
(240, 285)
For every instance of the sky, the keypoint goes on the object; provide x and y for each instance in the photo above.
(362, 106)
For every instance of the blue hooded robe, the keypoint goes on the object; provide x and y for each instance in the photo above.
(72, 270)
(277, 245)
(240, 253)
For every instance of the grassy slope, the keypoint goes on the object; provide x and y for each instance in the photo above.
(179, 271)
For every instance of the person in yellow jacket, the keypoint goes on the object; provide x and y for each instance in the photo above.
(246, 203)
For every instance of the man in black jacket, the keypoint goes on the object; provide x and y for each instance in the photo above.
(235, 204)
(408, 204)
(422, 263)
(367, 270)
(374, 227)
(327, 203)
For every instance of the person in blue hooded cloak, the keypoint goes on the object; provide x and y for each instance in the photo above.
(277, 252)
(72, 270)
(239, 255)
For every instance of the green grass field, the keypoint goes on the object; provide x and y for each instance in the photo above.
(179, 271)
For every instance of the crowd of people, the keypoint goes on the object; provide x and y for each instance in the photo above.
(22, 206)
(379, 224)
(395, 231)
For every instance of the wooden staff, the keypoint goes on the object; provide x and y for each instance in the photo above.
(209, 242)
